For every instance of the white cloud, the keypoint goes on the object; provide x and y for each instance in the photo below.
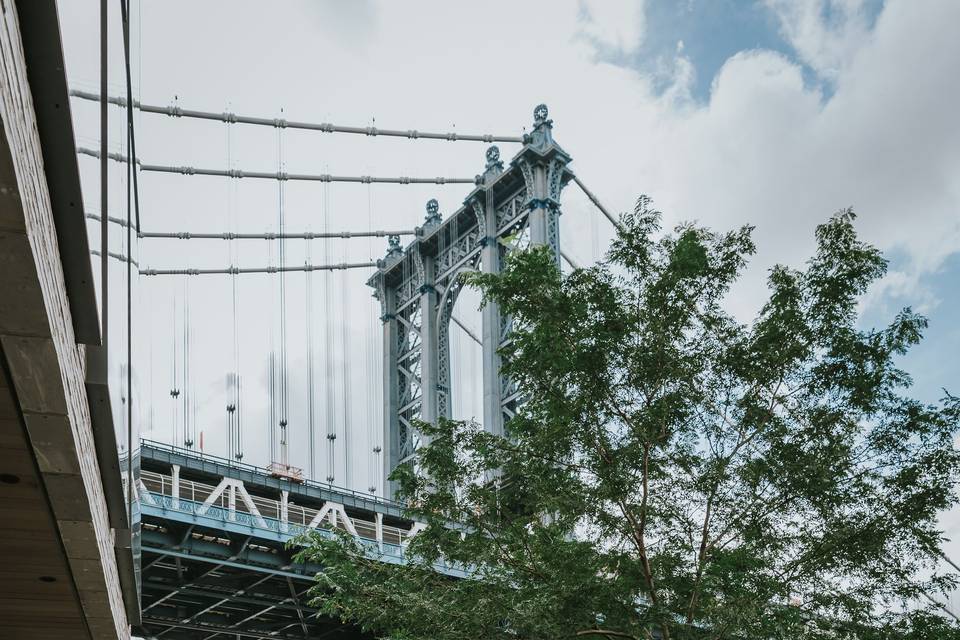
(771, 151)
(825, 33)
(617, 26)
(767, 149)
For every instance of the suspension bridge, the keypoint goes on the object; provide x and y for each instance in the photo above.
(183, 539)
(512, 205)
(214, 529)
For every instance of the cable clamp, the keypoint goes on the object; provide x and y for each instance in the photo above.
(413, 134)
(280, 123)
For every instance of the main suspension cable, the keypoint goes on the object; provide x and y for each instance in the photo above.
(270, 269)
(304, 235)
(596, 202)
(234, 235)
(281, 123)
(278, 175)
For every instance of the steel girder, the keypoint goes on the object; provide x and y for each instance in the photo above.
(201, 584)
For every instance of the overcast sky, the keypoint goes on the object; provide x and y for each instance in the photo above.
(773, 113)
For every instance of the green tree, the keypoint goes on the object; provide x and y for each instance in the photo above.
(675, 473)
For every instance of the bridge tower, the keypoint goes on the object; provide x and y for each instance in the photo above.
(512, 207)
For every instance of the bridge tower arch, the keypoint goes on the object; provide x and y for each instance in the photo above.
(513, 206)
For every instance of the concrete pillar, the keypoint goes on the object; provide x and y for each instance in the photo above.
(284, 512)
(175, 489)
(378, 527)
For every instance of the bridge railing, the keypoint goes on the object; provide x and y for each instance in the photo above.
(245, 466)
(192, 496)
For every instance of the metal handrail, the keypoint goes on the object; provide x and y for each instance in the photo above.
(194, 493)
(245, 466)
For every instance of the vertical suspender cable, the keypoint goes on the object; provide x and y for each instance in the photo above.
(284, 400)
(129, 251)
(104, 188)
(371, 358)
(328, 344)
(344, 341)
(311, 442)
(367, 406)
(233, 381)
(174, 389)
(188, 399)
(272, 424)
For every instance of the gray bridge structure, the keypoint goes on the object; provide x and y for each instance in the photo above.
(216, 559)
(512, 207)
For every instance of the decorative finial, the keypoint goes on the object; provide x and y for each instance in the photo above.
(494, 166)
(540, 114)
(433, 211)
(393, 245)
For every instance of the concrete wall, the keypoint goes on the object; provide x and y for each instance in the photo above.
(45, 363)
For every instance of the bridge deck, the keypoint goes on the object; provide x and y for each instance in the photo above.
(215, 565)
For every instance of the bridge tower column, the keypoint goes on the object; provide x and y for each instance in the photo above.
(484, 207)
(543, 164)
(429, 336)
(391, 336)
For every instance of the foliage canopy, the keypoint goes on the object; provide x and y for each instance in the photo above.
(675, 473)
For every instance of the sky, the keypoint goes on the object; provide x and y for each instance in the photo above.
(775, 113)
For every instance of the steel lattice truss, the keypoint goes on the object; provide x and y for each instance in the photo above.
(511, 208)
(200, 583)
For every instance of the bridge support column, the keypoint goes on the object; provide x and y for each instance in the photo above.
(284, 510)
(429, 360)
(391, 420)
(539, 213)
(490, 317)
(543, 164)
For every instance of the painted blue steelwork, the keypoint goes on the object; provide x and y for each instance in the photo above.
(253, 476)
